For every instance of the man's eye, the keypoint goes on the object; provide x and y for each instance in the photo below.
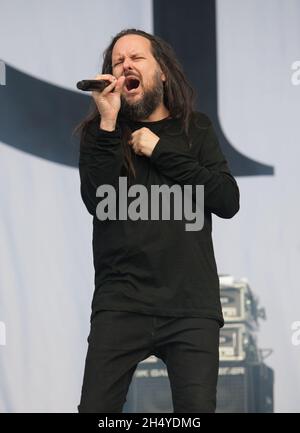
(135, 58)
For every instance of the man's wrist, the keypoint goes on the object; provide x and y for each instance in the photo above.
(108, 125)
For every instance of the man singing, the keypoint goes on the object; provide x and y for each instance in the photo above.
(156, 283)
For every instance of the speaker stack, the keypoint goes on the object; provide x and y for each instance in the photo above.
(245, 382)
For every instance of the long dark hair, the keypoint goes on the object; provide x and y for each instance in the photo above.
(179, 97)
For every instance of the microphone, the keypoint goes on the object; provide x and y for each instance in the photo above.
(89, 85)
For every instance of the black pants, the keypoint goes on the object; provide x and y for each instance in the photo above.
(119, 340)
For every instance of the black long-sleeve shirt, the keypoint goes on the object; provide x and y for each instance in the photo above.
(149, 266)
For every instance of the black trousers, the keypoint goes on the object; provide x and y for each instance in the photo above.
(119, 340)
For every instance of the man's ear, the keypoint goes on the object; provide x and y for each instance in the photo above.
(163, 77)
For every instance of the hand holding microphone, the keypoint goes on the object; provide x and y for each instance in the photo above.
(108, 100)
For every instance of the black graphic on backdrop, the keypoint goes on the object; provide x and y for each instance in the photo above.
(191, 30)
(38, 117)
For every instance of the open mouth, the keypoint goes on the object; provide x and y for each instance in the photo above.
(131, 84)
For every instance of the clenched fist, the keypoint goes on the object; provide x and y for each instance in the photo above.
(143, 141)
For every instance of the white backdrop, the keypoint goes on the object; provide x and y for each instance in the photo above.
(259, 107)
(46, 279)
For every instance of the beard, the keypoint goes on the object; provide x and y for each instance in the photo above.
(147, 104)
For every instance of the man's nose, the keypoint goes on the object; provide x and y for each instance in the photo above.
(127, 64)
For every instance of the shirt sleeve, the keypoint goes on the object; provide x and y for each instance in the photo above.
(100, 162)
(210, 168)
